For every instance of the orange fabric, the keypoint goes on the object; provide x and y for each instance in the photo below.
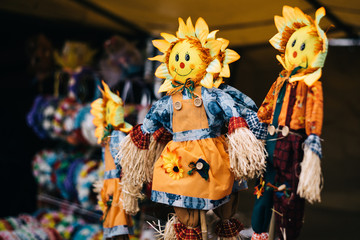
(308, 109)
(109, 160)
(189, 117)
(116, 215)
(212, 150)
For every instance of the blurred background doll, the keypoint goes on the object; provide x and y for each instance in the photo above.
(111, 128)
(122, 69)
(76, 80)
(180, 146)
(293, 110)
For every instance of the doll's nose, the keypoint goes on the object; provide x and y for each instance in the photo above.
(182, 65)
(294, 54)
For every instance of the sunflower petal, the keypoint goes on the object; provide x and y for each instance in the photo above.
(217, 82)
(225, 71)
(111, 95)
(214, 46)
(225, 43)
(166, 86)
(162, 45)
(281, 61)
(280, 23)
(181, 33)
(201, 26)
(214, 66)
(160, 58)
(310, 79)
(211, 35)
(276, 40)
(162, 71)
(190, 28)
(207, 81)
(169, 37)
(231, 56)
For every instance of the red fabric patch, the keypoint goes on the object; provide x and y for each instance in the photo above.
(140, 139)
(162, 135)
(184, 233)
(228, 228)
(236, 122)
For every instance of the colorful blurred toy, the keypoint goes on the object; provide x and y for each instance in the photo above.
(180, 146)
(293, 110)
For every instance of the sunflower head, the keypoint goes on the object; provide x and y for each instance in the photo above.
(172, 164)
(108, 110)
(194, 53)
(303, 43)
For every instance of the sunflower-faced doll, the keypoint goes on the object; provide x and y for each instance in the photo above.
(180, 146)
(293, 110)
(111, 128)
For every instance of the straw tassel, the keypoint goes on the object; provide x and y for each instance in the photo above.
(169, 232)
(310, 180)
(247, 154)
(137, 168)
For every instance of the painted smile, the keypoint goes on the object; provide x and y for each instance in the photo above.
(182, 74)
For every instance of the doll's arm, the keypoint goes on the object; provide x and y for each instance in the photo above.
(247, 109)
(139, 150)
(310, 179)
(246, 152)
(266, 109)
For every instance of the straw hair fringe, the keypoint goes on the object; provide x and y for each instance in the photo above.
(310, 180)
(247, 154)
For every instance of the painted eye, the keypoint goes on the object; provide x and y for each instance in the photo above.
(177, 57)
(302, 47)
(187, 57)
(293, 43)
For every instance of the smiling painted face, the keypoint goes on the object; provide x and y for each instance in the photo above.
(185, 61)
(301, 48)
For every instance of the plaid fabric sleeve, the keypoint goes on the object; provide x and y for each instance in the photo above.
(236, 122)
(313, 142)
(140, 139)
(259, 129)
(162, 135)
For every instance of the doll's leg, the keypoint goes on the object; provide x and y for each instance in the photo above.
(228, 227)
(288, 204)
(262, 212)
(188, 226)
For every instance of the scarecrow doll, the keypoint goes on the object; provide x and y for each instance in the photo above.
(110, 130)
(180, 146)
(293, 111)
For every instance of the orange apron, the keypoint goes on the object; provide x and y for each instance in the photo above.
(117, 222)
(192, 190)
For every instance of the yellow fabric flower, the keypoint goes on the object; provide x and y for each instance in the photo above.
(172, 165)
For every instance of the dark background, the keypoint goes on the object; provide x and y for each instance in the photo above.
(336, 217)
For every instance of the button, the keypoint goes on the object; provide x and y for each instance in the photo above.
(177, 105)
(271, 129)
(199, 165)
(285, 131)
(197, 102)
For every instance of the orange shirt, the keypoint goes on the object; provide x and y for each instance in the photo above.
(307, 111)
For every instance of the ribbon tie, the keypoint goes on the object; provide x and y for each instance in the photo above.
(179, 87)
